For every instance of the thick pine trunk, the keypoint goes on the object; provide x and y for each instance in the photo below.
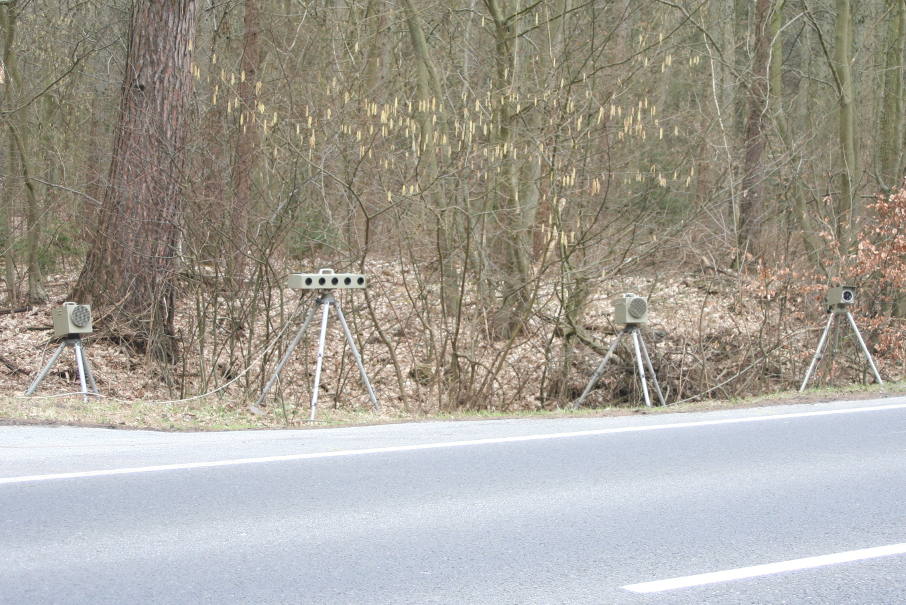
(132, 263)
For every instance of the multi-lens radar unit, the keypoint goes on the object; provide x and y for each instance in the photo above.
(630, 309)
(326, 279)
(71, 318)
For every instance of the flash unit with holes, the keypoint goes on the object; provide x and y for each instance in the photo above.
(326, 279)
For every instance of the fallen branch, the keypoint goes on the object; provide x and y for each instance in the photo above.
(12, 366)
(19, 310)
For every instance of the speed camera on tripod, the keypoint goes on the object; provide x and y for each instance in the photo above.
(631, 312)
(838, 300)
(325, 281)
(70, 321)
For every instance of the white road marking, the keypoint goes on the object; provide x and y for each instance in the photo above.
(441, 445)
(768, 569)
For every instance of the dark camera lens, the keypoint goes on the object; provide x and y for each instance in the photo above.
(347, 280)
(321, 281)
(307, 281)
(847, 295)
(361, 280)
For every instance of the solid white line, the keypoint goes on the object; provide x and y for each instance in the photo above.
(768, 569)
(441, 445)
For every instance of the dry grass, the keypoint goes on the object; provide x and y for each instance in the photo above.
(214, 414)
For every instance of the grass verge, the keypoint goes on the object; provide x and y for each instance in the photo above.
(217, 414)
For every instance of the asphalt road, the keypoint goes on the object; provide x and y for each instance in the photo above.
(794, 504)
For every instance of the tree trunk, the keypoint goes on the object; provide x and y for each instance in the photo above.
(247, 143)
(376, 55)
(513, 245)
(751, 210)
(890, 137)
(432, 127)
(132, 261)
(7, 234)
(6, 237)
(36, 292)
(847, 205)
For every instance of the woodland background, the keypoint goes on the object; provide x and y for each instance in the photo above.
(501, 169)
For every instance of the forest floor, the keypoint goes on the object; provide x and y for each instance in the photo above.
(713, 344)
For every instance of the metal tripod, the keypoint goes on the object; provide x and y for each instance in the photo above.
(325, 301)
(819, 353)
(86, 378)
(641, 353)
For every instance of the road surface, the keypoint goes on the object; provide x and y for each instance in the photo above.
(787, 504)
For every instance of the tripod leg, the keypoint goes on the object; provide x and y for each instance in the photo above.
(657, 386)
(92, 385)
(638, 359)
(357, 357)
(43, 373)
(319, 360)
(818, 352)
(77, 346)
(871, 362)
(289, 351)
(597, 375)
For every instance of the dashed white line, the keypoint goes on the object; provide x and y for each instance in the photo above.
(768, 569)
(442, 445)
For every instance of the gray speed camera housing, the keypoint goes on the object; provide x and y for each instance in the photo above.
(71, 318)
(840, 295)
(630, 309)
